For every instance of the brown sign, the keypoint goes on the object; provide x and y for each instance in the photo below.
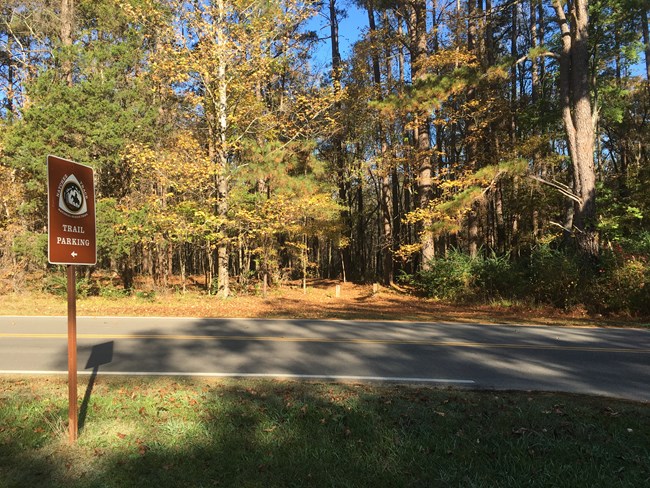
(71, 212)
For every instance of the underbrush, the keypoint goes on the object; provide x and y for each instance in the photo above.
(619, 283)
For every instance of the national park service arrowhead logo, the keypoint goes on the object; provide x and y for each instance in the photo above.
(72, 197)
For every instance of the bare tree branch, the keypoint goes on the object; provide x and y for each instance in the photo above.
(561, 187)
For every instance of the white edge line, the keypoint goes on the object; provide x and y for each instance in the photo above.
(256, 375)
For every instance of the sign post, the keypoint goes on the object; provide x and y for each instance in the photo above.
(72, 242)
(73, 422)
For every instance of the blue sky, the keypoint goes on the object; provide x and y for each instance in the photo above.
(350, 29)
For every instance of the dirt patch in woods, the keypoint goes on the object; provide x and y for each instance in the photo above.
(319, 300)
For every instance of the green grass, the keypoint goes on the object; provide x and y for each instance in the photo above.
(193, 433)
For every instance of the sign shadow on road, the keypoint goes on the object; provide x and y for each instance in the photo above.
(100, 355)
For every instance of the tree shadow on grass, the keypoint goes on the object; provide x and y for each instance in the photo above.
(272, 433)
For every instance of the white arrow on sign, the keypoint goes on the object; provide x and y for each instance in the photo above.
(73, 254)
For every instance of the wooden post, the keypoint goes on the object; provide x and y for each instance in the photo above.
(72, 354)
(265, 284)
(338, 291)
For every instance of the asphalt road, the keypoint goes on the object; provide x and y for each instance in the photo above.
(611, 362)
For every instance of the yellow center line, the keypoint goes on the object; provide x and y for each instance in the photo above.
(326, 340)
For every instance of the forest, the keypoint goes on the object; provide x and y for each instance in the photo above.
(473, 149)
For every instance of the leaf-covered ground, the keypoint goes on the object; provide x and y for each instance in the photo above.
(320, 300)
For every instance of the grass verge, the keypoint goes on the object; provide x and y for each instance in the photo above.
(196, 432)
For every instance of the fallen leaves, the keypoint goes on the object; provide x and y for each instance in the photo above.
(611, 413)
(557, 410)
(142, 447)
(356, 302)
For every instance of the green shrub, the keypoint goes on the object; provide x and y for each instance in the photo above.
(618, 283)
(459, 277)
(447, 277)
(554, 277)
(497, 277)
(57, 284)
(112, 291)
(622, 285)
(31, 248)
(149, 296)
(638, 245)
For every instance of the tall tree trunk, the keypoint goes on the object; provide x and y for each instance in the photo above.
(387, 228)
(435, 34)
(578, 120)
(472, 230)
(534, 70)
(470, 146)
(418, 48)
(501, 235)
(223, 274)
(386, 239)
(183, 264)
(400, 50)
(514, 34)
(646, 41)
(541, 31)
(362, 265)
(337, 143)
(67, 23)
(489, 34)
(471, 25)
(6, 59)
